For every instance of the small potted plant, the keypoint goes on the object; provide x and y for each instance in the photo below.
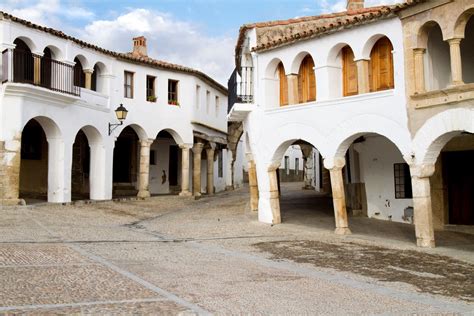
(174, 102)
(151, 98)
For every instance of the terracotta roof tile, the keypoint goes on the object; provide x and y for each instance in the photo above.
(123, 56)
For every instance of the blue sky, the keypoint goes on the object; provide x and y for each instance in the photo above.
(196, 33)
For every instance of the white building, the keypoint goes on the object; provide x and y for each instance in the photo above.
(335, 82)
(57, 98)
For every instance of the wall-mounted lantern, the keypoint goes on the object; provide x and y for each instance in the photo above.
(121, 113)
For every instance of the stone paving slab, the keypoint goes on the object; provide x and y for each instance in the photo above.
(38, 254)
(137, 307)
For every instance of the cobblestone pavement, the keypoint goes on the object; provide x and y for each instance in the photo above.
(172, 255)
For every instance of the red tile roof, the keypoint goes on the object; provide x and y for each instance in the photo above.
(122, 56)
(273, 34)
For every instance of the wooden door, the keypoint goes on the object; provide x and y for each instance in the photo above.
(306, 81)
(381, 66)
(283, 85)
(349, 72)
(458, 172)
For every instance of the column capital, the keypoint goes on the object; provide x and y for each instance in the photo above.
(422, 171)
(334, 163)
(88, 71)
(212, 145)
(361, 60)
(454, 41)
(146, 142)
(197, 148)
(419, 51)
(185, 146)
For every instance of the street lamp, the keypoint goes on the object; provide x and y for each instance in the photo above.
(121, 113)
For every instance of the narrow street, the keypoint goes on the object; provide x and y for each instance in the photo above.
(170, 255)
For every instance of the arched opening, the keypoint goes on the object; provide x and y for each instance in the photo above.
(23, 62)
(126, 160)
(165, 165)
(81, 157)
(467, 52)
(349, 72)
(381, 66)
(306, 81)
(283, 84)
(46, 67)
(304, 186)
(34, 163)
(452, 184)
(97, 83)
(79, 75)
(437, 58)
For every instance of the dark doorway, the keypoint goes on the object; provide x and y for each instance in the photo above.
(80, 167)
(125, 152)
(458, 171)
(173, 166)
(34, 162)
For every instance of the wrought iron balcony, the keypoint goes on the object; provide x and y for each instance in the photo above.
(240, 86)
(25, 67)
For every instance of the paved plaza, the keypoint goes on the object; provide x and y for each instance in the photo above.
(172, 255)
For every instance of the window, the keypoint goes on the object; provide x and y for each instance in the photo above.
(173, 92)
(208, 101)
(283, 84)
(349, 72)
(150, 89)
(128, 84)
(306, 81)
(381, 66)
(220, 164)
(217, 106)
(287, 165)
(198, 96)
(297, 166)
(152, 157)
(402, 181)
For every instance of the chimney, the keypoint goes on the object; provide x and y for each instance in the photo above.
(139, 47)
(353, 5)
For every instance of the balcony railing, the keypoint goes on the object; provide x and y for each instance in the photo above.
(240, 87)
(24, 67)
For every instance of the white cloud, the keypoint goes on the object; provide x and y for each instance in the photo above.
(168, 39)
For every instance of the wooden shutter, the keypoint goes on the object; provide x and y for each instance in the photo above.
(349, 72)
(283, 85)
(306, 81)
(381, 66)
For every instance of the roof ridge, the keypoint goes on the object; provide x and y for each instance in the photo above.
(124, 56)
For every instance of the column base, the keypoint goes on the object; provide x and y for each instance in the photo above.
(342, 231)
(12, 202)
(425, 243)
(143, 194)
(229, 188)
(197, 196)
(185, 194)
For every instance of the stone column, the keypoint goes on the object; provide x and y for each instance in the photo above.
(456, 63)
(274, 196)
(144, 169)
(363, 76)
(419, 69)
(308, 164)
(253, 185)
(88, 78)
(37, 70)
(210, 169)
(423, 215)
(10, 159)
(338, 197)
(292, 80)
(185, 170)
(197, 151)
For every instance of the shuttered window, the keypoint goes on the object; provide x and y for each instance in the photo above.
(381, 66)
(283, 85)
(306, 81)
(349, 72)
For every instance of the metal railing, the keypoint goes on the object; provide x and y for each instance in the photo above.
(240, 86)
(25, 67)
